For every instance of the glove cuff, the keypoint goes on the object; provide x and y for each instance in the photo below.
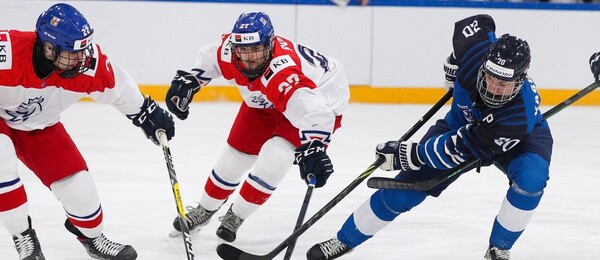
(147, 109)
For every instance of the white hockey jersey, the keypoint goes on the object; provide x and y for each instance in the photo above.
(309, 88)
(29, 103)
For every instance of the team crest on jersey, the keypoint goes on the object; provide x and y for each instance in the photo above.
(5, 51)
(277, 65)
(27, 109)
(467, 113)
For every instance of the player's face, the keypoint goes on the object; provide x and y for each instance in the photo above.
(252, 57)
(499, 87)
(68, 60)
(64, 60)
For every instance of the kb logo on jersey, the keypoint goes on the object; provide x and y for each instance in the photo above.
(280, 62)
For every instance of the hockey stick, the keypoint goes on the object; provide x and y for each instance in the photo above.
(187, 239)
(312, 181)
(391, 183)
(229, 252)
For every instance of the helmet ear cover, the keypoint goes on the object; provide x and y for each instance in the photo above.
(252, 29)
(507, 60)
(67, 30)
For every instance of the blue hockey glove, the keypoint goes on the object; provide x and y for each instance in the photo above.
(312, 158)
(595, 65)
(450, 69)
(152, 118)
(399, 156)
(183, 88)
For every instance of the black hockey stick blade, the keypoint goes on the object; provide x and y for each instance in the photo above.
(391, 183)
(385, 183)
(229, 252)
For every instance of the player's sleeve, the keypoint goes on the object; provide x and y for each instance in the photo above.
(293, 94)
(307, 111)
(469, 32)
(121, 90)
(206, 66)
(480, 141)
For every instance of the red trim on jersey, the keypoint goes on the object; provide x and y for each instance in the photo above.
(13, 199)
(22, 73)
(215, 191)
(252, 195)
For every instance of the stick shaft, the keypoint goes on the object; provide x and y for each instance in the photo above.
(187, 239)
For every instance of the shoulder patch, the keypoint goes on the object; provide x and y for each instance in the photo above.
(277, 65)
(5, 51)
(226, 50)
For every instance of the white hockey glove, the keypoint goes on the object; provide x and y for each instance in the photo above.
(450, 69)
(399, 156)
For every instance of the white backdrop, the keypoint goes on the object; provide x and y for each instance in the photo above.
(380, 46)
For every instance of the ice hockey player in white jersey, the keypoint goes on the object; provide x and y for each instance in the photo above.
(494, 117)
(42, 73)
(293, 101)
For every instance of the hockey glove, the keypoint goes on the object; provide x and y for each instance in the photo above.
(399, 156)
(595, 65)
(183, 88)
(450, 69)
(312, 158)
(153, 118)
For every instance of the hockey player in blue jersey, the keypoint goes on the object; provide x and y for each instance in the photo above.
(494, 117)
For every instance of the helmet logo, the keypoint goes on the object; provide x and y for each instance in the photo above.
(263, 21)
(50, 35)
(246, 38)
(499, 70)
(55, 20)
(82, 44)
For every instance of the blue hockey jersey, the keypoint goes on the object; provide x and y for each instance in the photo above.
(477, 131)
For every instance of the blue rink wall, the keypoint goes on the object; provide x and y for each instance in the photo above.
(392, 50)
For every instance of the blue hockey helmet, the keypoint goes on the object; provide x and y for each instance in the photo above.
(66, 29)
(506, 63)
(252, 29)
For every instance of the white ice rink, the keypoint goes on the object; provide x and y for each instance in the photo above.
(138, 204)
